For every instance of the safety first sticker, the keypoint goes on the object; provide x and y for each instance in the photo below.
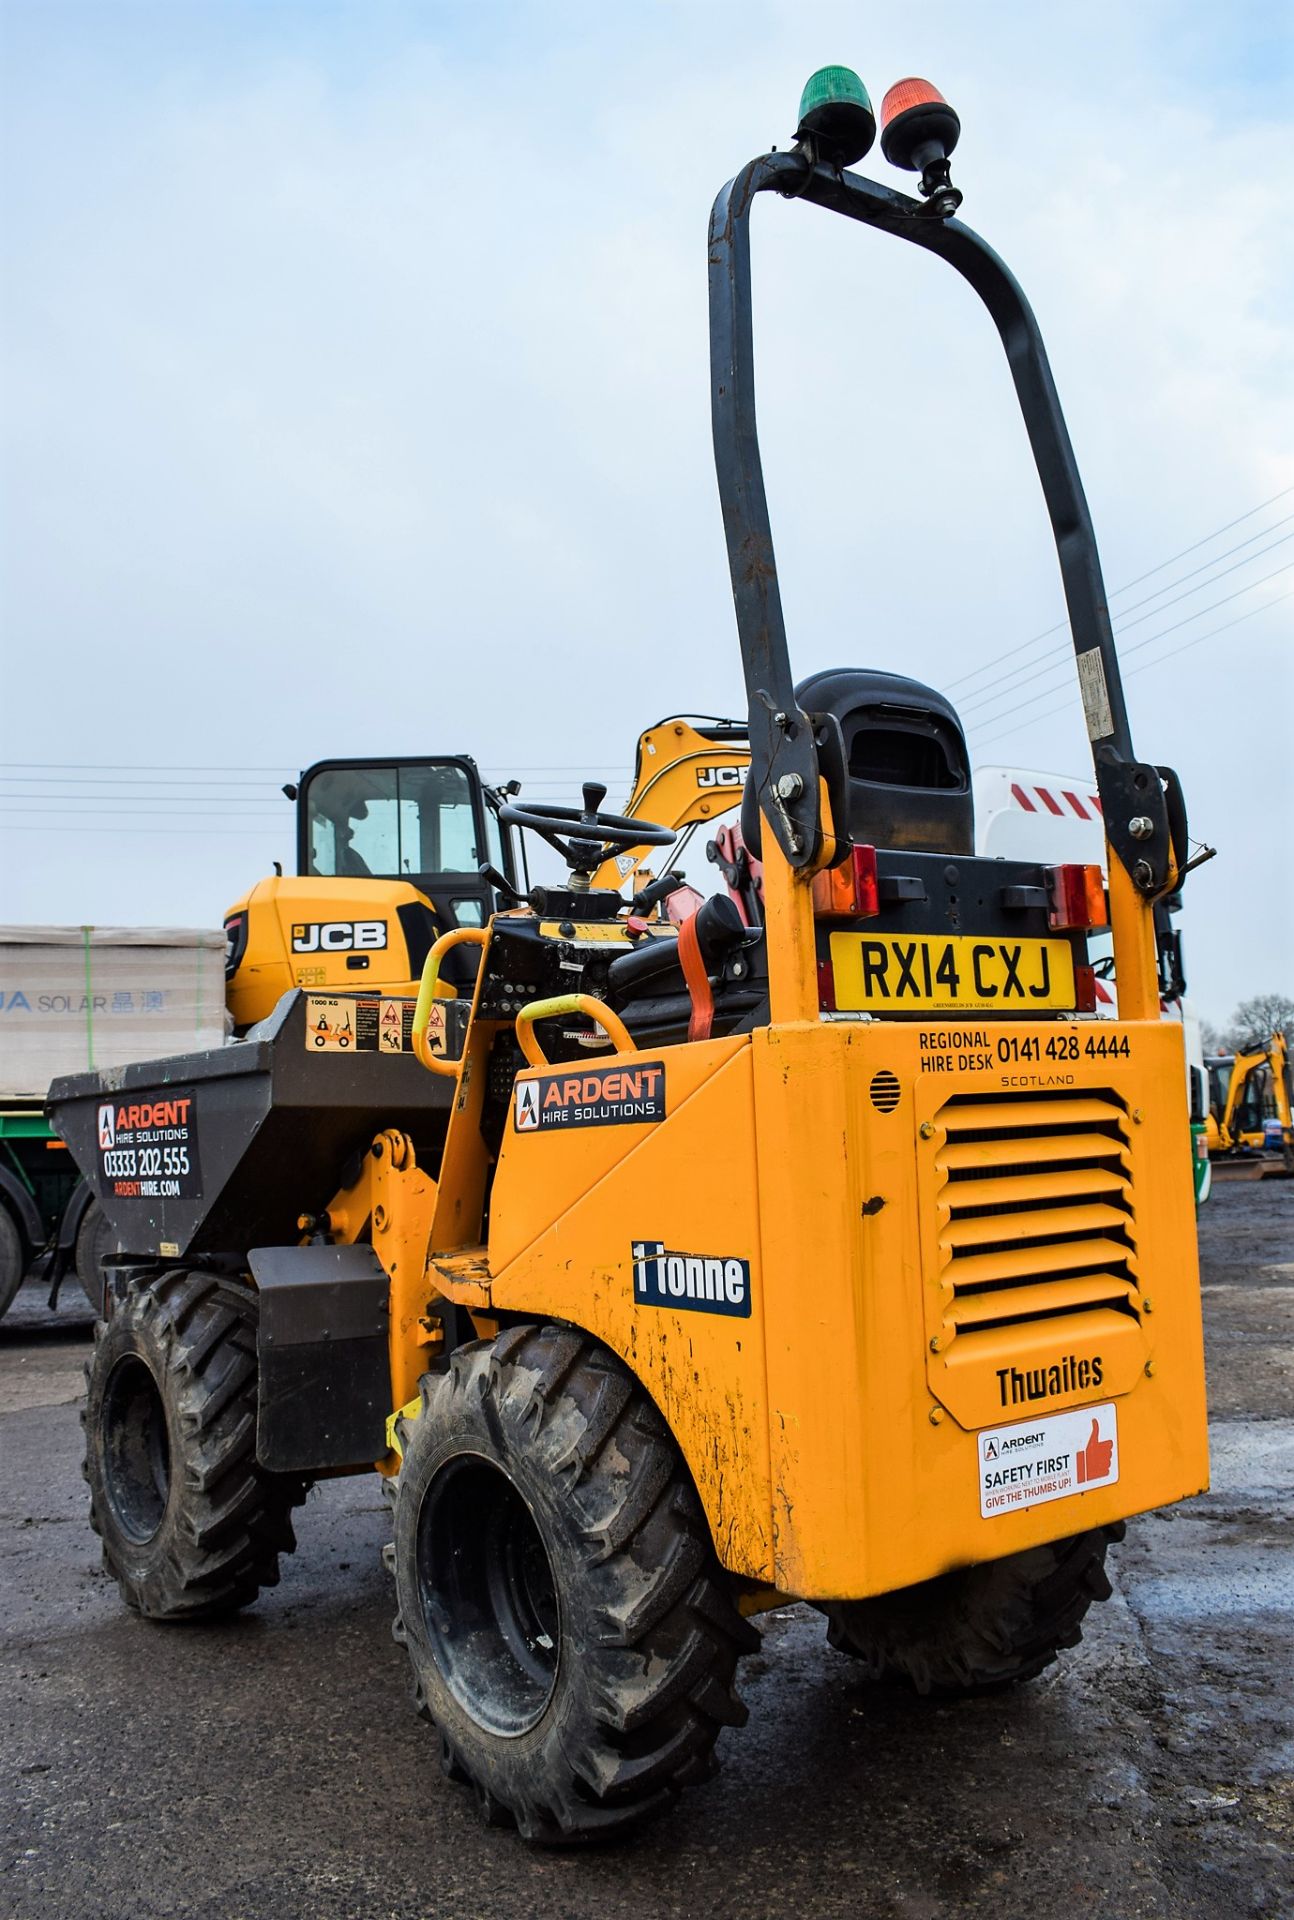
(1041, 1460)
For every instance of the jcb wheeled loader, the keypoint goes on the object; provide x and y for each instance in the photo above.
(840, 1254)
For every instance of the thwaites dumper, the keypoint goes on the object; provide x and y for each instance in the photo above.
(826, 1248)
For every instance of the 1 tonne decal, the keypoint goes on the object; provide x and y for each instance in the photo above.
(699, 1282)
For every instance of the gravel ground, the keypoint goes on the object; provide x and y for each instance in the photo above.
(273, 1767)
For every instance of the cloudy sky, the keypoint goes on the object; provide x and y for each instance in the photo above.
(355, 400)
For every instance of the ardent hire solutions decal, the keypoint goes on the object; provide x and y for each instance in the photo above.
(701, 1282)
(148, 1149)
(601, 1097)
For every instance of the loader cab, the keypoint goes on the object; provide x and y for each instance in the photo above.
(430, 823)
(1253, 1103)
(389, 857)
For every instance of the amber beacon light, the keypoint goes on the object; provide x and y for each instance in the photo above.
(919, 131)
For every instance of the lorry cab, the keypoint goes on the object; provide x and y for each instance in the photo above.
(389, 856)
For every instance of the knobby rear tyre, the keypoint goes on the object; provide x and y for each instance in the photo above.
(570, 1630)
(192, 1527)
(979, 1628)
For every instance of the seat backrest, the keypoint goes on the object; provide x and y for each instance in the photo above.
(908, 768)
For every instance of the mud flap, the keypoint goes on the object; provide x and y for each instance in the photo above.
(325, 1376)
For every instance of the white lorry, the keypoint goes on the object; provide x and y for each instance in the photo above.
(73, 998)
(1024, 814)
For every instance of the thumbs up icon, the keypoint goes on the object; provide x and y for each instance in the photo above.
(1093, 1461)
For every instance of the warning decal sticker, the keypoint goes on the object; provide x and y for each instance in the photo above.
(1041, 1460)
(395, 1026)
(1096, 694)
(595, 1097)
(148, 1149)
(362, 1023)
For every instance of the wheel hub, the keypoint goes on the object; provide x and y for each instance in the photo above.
(137, 1451)
(488, 1597)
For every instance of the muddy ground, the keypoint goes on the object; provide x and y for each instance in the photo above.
(273, 1767)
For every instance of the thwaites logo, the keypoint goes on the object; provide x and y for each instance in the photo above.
(1017, 1387)
(338, 936)
(699, 1282)
(603, 1097)
(721, 776)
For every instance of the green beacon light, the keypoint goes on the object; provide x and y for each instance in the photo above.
(837, 124)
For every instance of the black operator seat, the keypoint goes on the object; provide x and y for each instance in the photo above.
(905, 752)
(908, 778)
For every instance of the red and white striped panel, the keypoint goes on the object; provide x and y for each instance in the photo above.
(1063, 801)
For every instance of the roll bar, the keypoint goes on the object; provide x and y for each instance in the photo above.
(1144, 824)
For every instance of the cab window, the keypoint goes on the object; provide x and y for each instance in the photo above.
(390, 822)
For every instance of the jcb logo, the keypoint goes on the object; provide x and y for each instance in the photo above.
(338, 936)
(721, 776)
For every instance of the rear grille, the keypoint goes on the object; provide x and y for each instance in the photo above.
(1036, 1211)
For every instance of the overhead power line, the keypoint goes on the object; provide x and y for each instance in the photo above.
(1128, 585)
(1017, 678)
(183, 833)
(1147, 642)
(283, 772)
(122, 780)
(1169, 653)
(129, 766)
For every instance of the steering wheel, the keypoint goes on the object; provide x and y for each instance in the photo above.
(593, 834)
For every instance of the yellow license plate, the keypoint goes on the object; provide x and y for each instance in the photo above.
(901, 973)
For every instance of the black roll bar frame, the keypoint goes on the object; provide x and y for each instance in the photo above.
(784, 758)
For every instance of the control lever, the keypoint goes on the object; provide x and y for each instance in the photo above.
(657, 890)
(501, 885)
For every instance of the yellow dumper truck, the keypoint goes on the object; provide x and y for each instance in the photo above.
(826, 1247)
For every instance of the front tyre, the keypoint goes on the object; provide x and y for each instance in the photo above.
(192, 1527)
(567, 1620)
(979, 1628)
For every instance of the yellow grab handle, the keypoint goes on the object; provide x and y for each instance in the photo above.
(611, 1023)
(456, 937)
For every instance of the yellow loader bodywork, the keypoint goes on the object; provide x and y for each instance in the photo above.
(292, 924)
